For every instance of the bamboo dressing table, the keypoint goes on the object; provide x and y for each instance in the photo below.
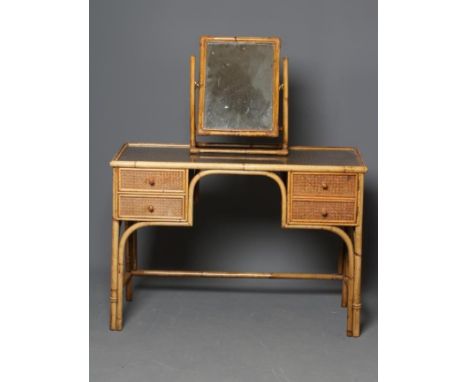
(321, 188)
(155, 185)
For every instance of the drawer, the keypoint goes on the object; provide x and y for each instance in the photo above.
(153, 180)
(309, 211)
(310, 184)
(152, 207)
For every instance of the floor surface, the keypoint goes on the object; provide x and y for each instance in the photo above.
(190, 330)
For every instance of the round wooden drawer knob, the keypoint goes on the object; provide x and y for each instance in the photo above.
(324, 186)
(151, 182)
(150, 208)
(324, 212)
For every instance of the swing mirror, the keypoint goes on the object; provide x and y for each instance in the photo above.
(239, 86)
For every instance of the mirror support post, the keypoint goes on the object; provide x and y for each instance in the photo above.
(192, 104)
(285, 104)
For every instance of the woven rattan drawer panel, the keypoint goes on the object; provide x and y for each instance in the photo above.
(152, 207)
(308, 184)
(153, 180)
(309, 211)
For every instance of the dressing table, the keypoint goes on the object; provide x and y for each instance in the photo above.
(237, 95)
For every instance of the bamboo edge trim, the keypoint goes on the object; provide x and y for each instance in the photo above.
(117, 162)
(239, 166)
(121, 150)
(185, 145)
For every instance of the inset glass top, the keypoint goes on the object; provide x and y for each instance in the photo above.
(306, 158)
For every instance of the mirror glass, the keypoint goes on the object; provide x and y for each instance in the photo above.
(239, 87)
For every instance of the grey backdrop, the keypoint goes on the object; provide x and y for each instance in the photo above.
(139, 71)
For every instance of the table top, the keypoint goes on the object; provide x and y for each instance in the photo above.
(307, 158)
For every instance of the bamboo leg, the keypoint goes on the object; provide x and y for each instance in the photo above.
(357, 281)
(114, 271)
(357, 243)
(130, 262)
(120, 280)
(135, 253)
(350, 291)
(343, 269)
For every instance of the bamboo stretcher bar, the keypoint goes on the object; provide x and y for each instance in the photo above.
(253, 275)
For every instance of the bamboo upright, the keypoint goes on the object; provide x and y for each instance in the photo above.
(357, 236)
(114, 265)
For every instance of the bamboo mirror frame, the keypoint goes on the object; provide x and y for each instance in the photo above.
(238, 96)
(239, 80)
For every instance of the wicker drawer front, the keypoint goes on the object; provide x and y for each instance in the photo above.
(308, 184)
(152, 207)
(309, 211)
(153, 180)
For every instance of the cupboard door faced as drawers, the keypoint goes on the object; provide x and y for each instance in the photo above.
(153, 180)
(152, 207)
(309, 184)
(310, 211)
